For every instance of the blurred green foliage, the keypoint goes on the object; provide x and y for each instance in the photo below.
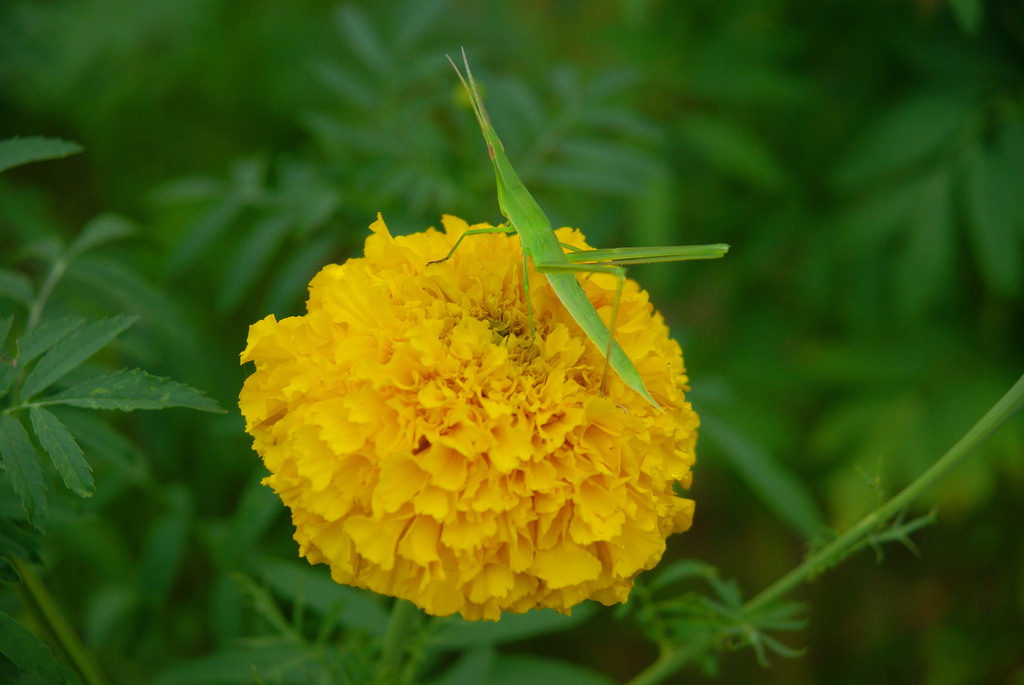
(865, 160)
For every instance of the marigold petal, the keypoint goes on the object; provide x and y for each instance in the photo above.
(433, 445)
(566, 565)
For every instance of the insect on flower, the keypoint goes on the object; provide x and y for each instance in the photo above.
(549, 256)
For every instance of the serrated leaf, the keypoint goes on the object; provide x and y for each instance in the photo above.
(22, 467)
(72, 351)
(64, 451)
(17, 151)
(44, 336)
(102, 229)
(29, 653)
(458, 633)
(103, 442)
(16, 287)
(131, 389)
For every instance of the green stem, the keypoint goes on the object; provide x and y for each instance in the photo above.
(43, 603)
(834, 552)
(404, 618)
(671, 661)
(56, 271)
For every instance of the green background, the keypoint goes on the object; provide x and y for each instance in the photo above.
(865, 160)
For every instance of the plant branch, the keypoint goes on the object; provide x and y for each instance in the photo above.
(43, 603)
(671, 661)
(404, 617)
(839, 548)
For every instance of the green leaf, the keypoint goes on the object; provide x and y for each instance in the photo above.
(682, 569)
(17, 287)
(110, 608)
(65, 453)
(298, 582)
(103, 442)
(278, 663)
(734, 150)
(292, 277)
(878, 218)
(16, 541)
(777, 487)
(928, 263)
(347, 85)
(997, 247)
(362, 37)
(257, 508)
(969, 14)
(102, 229)
(131, 389)
(44, 336)
(205, 232)
(19, 460)
(225, 608)
(8, 372)
(457, 633)
(129, 292)
(916, 129)
(164, 547)
(518, 669)
(473, 668)
(72, 351)
(29, 653)
(249, 262)
(5, 329)
(17, 151)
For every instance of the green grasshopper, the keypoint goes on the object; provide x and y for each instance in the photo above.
(541, 246)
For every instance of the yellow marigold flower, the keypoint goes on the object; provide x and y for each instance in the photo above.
(429, 450)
